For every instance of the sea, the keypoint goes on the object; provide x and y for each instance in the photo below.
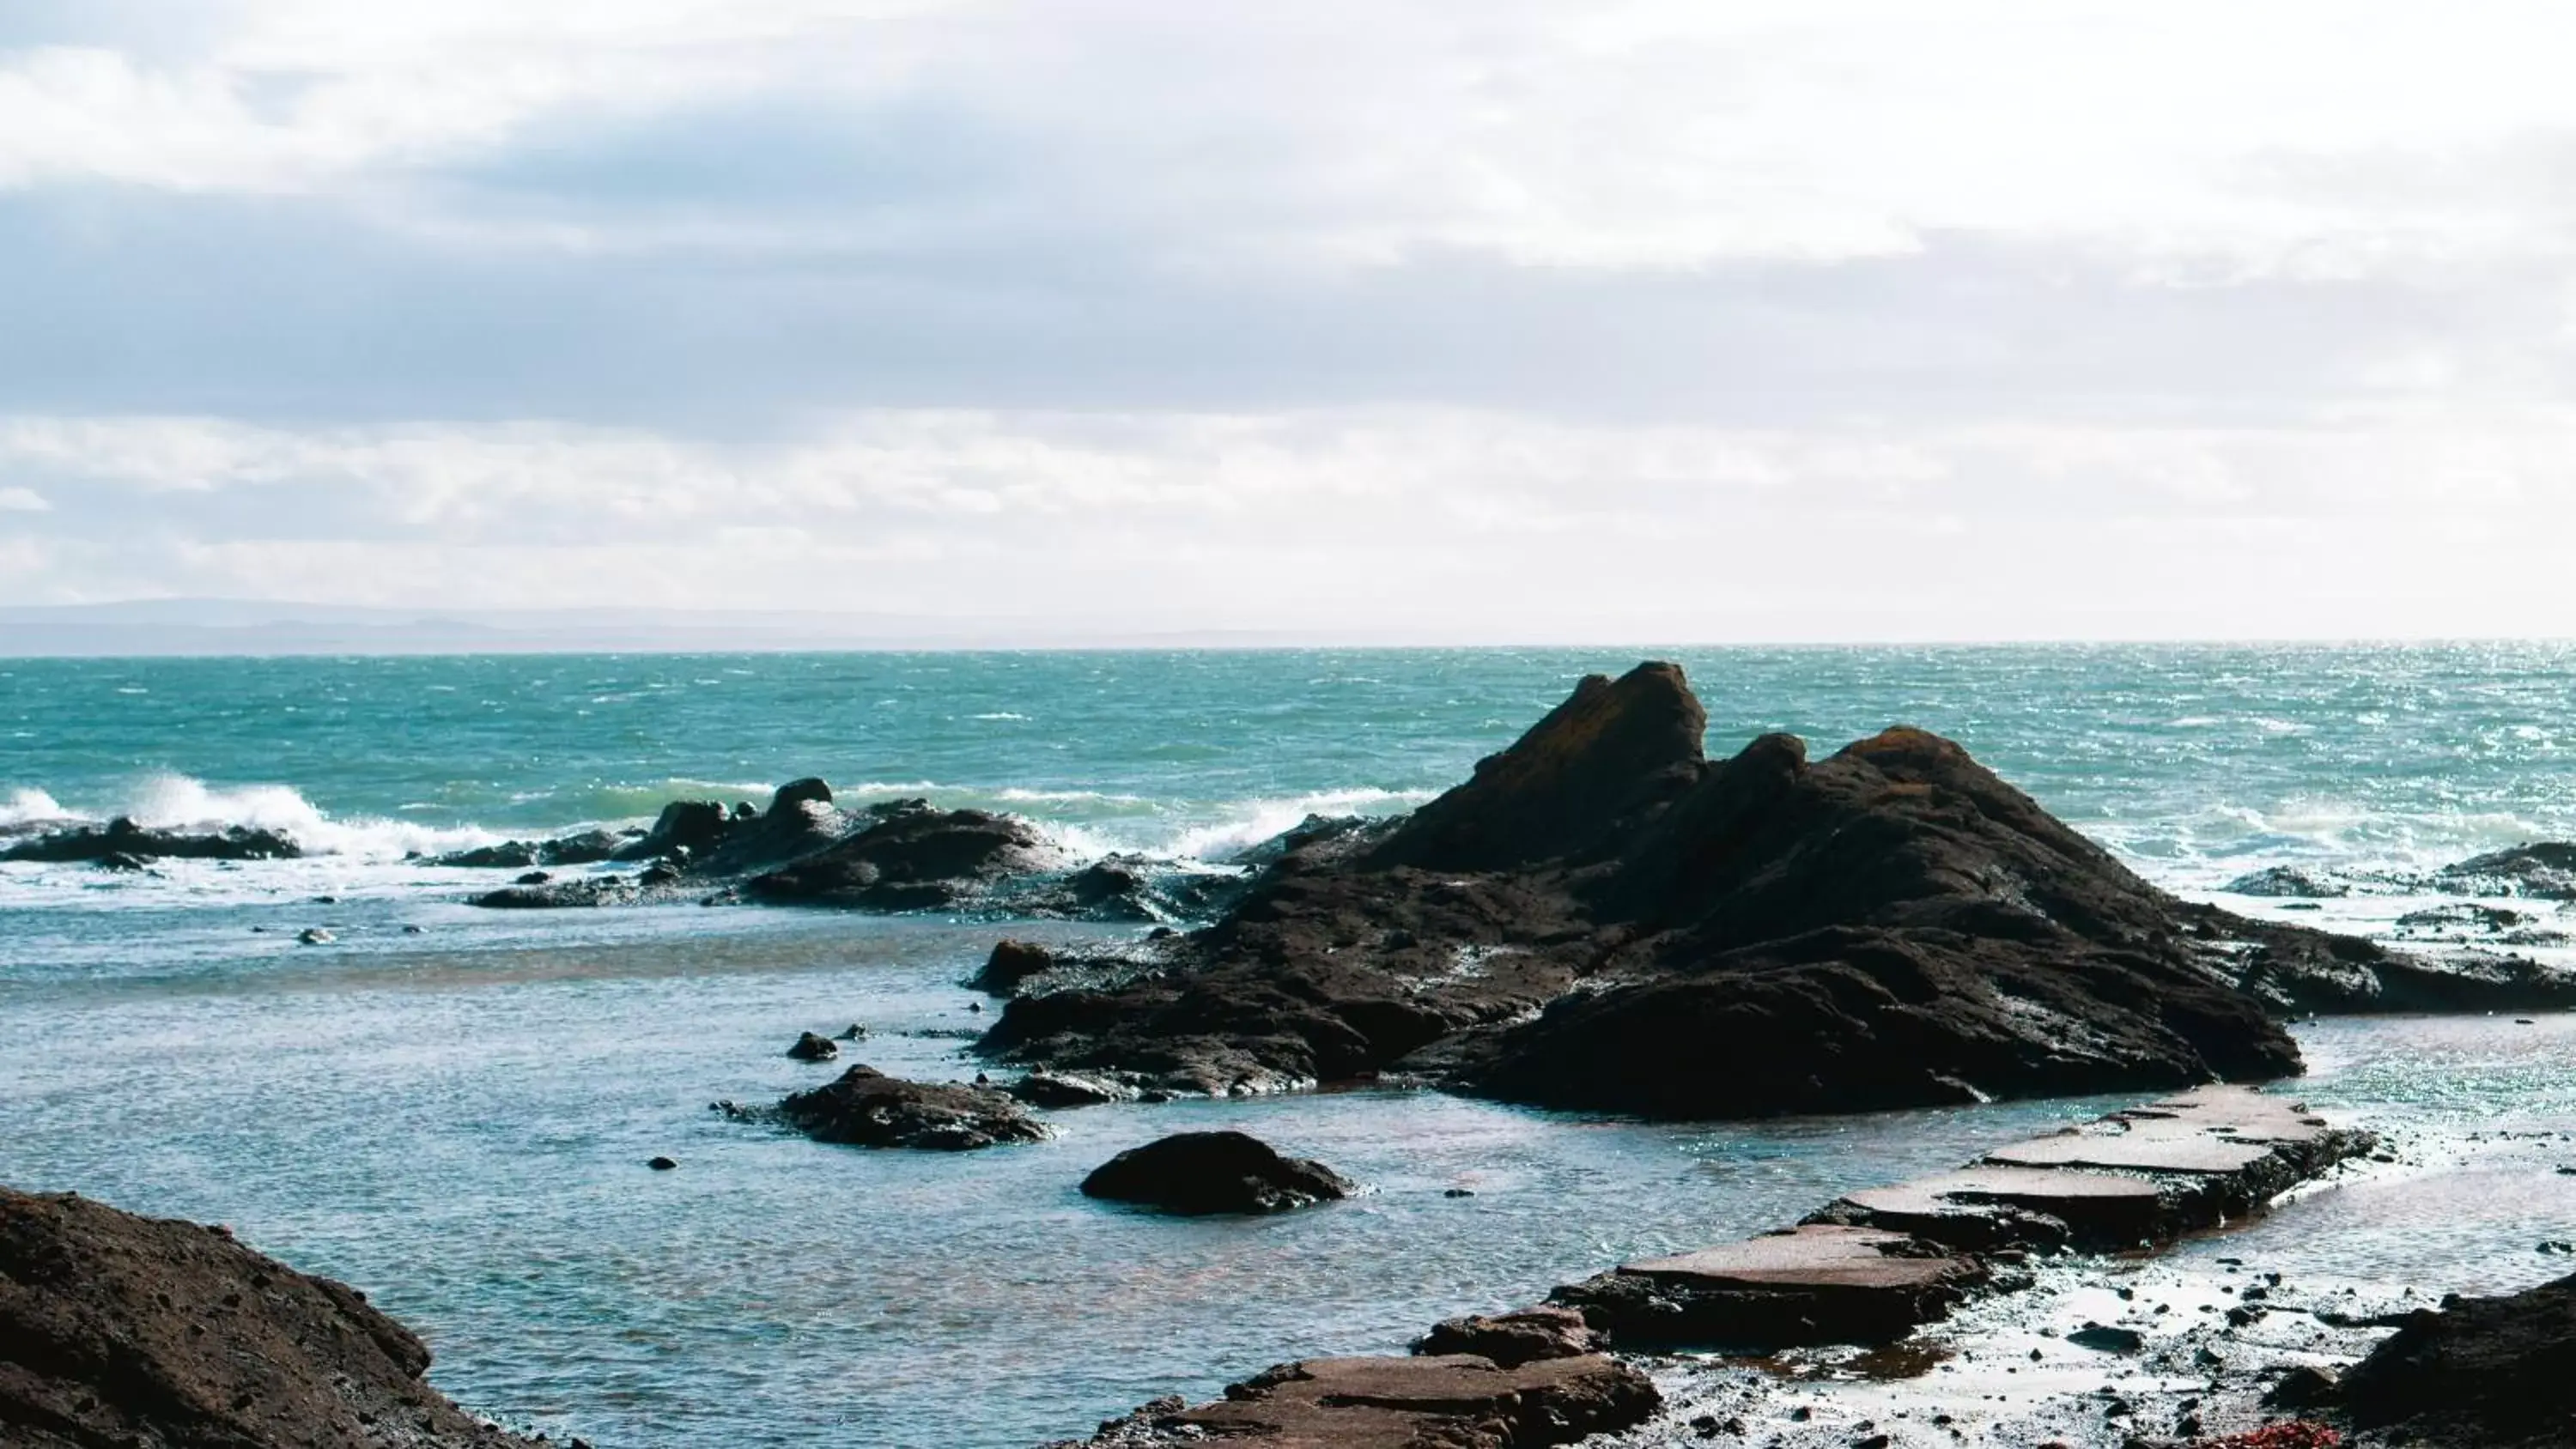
(452, 1108)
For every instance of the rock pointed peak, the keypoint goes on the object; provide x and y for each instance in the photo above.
(1613, 749)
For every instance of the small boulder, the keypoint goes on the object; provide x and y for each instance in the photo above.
(1197, 1173)
(315, 936)
(1011, 963)
(813, 1047)
(662, 1164)
(1512, 1339)
(797, 794)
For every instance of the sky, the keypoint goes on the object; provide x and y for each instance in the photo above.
(1460, 319)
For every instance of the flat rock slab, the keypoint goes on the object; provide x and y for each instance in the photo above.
(1819, 1283)
(2212, 1130)
(1982, 1208)
(1450, 1402)
(1814, 1257)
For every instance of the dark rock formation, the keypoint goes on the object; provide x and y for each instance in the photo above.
(1601, 919)
(814, 1047)
(911, 856)
(1011, 963)
(867, 1108)
(589, 847)
(1450, 1402)
(1196, 1173)
(121, 841)
(117, 1329)
(1511, 1339)
(2484, 1373)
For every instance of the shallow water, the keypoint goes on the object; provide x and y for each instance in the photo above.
(465, 1137)
(451, 1108)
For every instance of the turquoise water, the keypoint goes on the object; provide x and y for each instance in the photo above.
(455, 1118)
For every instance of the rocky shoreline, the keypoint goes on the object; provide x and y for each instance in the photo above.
(1602, 919)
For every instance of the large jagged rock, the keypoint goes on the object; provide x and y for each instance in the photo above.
(1602, 919)
(867, 1108)
(121, 839)
(2484, 1373)
(1199, 1173)
(125, 1330)
(1613, 753)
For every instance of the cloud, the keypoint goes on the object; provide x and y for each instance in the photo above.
(1415, 521)
(1859, 315)
(23, 500)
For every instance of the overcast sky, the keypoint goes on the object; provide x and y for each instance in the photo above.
(1479, 319)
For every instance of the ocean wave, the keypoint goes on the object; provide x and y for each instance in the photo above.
(184, 803)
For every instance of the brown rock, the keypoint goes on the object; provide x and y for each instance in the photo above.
(118, 1329)
(1524, 1335)
(1450, 1402)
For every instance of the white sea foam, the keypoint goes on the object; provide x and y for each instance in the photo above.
(1252, 821)
(24, 807)
(181, 802)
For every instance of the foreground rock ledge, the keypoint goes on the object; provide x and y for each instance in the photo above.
(1603, 919)
(125, 1330)
(1448, 1402)
(2484, 1373)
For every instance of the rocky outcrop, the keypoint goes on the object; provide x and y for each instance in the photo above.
(123, 843)
(1602, 919)
(911, 856)
(2545, 869)
(2483, 1373)
(1447, 1402)
(118, 1329)
(1201, 1173)
(867, 1108)
(588, 847)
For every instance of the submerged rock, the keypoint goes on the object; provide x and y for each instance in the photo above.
(121, 843)
(867, 1108)
(2484, 1373)
(2286, 882)
(1603, 919)
(1199, 1173)
(814, 1047)
(118, 1329)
